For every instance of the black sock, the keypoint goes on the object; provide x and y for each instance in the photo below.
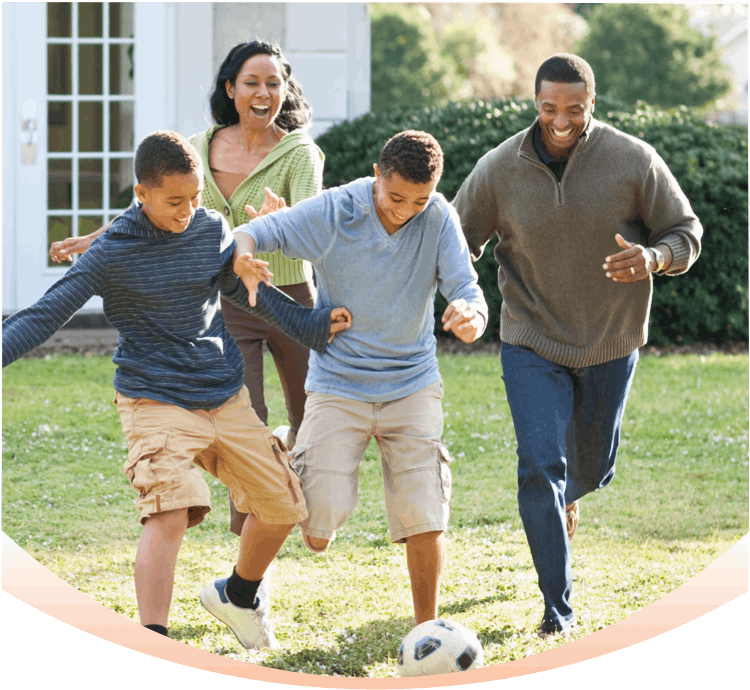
(242, 592)
(157, 629)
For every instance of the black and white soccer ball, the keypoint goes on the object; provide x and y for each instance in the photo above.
(439, 646)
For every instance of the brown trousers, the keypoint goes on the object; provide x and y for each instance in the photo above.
(290, 358)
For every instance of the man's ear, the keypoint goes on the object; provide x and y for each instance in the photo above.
(376, 169)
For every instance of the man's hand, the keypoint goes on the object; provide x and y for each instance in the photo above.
(341, 319)
(252, 272)
(271, 204)
(465, 322)
(632, 265)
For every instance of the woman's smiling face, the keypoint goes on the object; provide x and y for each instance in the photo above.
(258, 91)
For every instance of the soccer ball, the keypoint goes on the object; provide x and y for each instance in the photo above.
(439, 646)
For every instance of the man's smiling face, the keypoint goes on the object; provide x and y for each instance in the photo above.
(564, 111)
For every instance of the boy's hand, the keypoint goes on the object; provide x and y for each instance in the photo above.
(252, 272)
(341, 319)
(271, 204)
(465, 322)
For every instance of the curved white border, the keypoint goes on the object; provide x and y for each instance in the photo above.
(28, 580)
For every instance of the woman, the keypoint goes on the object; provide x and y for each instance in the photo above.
(258, 141)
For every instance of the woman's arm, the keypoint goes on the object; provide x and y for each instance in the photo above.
(61, 251)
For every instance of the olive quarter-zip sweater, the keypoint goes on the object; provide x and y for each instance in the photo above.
(161, 292)
(553, 237)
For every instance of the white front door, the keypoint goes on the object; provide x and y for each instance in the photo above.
(76, 107)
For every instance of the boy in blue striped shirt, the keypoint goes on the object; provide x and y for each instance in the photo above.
(179, 380)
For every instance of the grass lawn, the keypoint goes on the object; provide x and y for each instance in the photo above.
(679, 500)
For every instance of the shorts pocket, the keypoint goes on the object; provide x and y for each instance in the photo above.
(297, 460)
(137, 467)
(446, 481)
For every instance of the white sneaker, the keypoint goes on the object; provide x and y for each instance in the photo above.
(284, 436)
(251, 626)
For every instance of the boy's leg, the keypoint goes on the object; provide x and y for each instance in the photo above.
(331, 440)
(417, 486)
(425, 555)
(155, 563)
(259, 544)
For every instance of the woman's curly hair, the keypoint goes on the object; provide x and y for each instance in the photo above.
(414, 155)
(295, 113)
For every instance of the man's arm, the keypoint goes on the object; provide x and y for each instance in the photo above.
(30, 327)
(675, 231)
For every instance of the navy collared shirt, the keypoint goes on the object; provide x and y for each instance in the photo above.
(556, 165)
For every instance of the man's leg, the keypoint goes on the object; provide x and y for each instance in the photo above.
(155, 562)
(600, 396)
(540, 396)
(425, 555)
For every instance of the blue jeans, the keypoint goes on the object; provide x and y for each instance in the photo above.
(567, 424)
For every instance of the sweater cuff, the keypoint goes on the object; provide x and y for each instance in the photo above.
(311, 327)
(680, 248)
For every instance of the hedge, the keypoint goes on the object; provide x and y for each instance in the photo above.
(708, 304)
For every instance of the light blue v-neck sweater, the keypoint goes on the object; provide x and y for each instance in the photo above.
(388, 283)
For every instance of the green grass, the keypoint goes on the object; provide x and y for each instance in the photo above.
(679, 500)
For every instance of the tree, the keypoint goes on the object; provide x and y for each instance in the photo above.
(406, 62)
(651, 53)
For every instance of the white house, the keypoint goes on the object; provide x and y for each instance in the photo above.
(84, 82)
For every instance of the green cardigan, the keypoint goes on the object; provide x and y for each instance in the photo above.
(293, 170)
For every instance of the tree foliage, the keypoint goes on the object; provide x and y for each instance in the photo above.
(407, 65)
(651, 53)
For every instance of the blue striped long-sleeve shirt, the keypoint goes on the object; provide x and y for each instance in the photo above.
(161, 292)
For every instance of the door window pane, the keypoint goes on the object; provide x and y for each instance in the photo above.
(121, 124)
(90, 19)
(90, 126)
(120, 20)
(121, 70)
(60, 183)
(59, 126)
(90, 183)
(90, 69)
(59, 75)
(58, 19)
(58, 228)
(120, 182)
(87, 224)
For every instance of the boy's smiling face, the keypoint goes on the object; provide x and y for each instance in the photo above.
(398, 200)
(171, 205)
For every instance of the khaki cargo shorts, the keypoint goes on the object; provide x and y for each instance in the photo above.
(167, 444)
(417, 480)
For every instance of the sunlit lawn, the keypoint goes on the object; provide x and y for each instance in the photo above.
(680, 499)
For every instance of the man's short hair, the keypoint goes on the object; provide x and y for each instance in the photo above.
(164, 153)
(416, 156)
(564, 68)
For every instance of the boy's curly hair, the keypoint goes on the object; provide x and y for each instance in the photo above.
(414, 155)
(165, 153)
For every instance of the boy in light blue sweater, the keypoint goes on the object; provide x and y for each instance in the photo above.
(179, 381)
(382, 246)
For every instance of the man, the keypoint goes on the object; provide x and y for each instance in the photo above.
(382, 245)
(585, 215)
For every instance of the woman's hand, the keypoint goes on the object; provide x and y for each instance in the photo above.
(341, 319)
(271, 204)
(252, 272)
(60, 251)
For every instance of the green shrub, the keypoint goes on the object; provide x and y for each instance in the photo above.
(708, 304)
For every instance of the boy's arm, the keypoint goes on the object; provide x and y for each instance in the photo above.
(30, 327)
(467, 312)
(312, 327)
